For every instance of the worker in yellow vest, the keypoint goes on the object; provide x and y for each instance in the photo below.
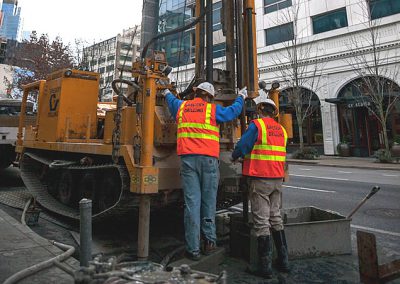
(263, 149)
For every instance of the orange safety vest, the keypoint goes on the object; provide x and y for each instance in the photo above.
(198, 131)
(267, 158)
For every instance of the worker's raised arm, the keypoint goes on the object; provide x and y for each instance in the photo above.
(246, 142)
(225, 114)
(173, 103)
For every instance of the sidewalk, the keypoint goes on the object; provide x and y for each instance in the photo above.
(20, 248)
(347, 162)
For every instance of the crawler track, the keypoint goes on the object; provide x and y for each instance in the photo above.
(36, 172)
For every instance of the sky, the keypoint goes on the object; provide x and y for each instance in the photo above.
(88, 20)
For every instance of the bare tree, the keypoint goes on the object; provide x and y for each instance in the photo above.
(297, 67)
(373, 64)
(38, 57)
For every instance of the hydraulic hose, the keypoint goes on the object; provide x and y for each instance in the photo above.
(27, 204)
(69, 250)
(171, 32)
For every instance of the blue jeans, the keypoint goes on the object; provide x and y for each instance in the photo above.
(200, 176)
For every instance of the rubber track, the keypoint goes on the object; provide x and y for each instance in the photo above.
(126, 203)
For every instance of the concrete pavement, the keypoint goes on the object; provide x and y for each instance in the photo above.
(347, 162)
(20, 248)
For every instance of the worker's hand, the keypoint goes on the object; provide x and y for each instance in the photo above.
(165, 92)
(233, 161)
(243, 93)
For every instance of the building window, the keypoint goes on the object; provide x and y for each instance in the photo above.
(275, 5)
(101, 70)
(219, 50)
(383, 8)
(102, 60)
(330, 21)
(217, 7)
(110, 68)
(279, 34)
(126, 58)
(111, 57)
(126, 46)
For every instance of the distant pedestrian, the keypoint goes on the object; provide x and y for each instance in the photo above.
(263, 147)
(198, 148)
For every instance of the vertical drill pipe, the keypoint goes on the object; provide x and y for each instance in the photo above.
(239, 43)
(85, 218)
(199, 71)
(149, 99)
(144, 227)
(250, 48)
(250, 63)
(146, 160)
(229, 28)
(209, 42)
(240, 84)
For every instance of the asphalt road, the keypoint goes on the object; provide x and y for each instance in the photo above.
(341, 190)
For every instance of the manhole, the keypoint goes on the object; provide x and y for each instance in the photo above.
(384, 212)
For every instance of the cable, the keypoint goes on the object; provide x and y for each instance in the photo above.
(177, 30)
(69, 250)
(27, 204)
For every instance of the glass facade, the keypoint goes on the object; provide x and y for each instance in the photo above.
(11, 21)
(180, 47)
(275, 5)
(329, 21)
(279, 34)
(383, 8)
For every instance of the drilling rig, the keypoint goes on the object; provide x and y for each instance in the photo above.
(126, 159)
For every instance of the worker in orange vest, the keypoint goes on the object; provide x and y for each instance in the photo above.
(198, 148)
(263, 147)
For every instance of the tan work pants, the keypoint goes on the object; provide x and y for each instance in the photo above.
(265, 198)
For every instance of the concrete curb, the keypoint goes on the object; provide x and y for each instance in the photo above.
(344, 165)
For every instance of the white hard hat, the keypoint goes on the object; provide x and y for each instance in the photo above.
(263, 98)
(207, 87)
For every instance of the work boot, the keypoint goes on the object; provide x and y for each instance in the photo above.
(282, 250)
(265, 256)
(195, 256)
(209, 247)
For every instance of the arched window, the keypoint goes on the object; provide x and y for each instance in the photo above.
(311, 110)
(357, 109)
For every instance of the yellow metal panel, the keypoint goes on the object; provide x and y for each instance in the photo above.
(286, 121)
(68, 106)
(85, 147)
(144, 180)
(165, 127)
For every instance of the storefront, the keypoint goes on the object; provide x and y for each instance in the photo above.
(358, 124)
(312, 125)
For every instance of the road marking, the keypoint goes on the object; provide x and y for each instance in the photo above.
(343, 172)
(319, 177)
(376, 230)
(386, 175)
(309, 189)
(305, 169)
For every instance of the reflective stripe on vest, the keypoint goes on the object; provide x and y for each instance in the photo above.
(266, 159)
(195, 136)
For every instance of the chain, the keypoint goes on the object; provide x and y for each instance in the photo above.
(117, 130)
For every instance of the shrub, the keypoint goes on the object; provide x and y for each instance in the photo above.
(383, 156)
(309, 153)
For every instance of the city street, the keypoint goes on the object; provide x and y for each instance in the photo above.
(341, 189)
